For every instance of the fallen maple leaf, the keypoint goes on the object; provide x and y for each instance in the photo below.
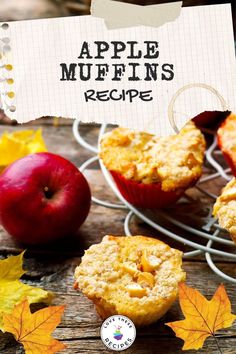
(202, 317)
(34, 330)
(18, 144)
(12, 291)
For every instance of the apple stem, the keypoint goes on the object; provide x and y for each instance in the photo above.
(48, 194)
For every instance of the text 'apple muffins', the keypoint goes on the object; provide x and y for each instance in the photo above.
(134, 276)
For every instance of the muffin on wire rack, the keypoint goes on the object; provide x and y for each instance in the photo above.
(225, 208)
(226, 135)
(134, 276)
(150, 171)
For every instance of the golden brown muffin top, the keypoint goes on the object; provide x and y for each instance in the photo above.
(128, 272)
(175, 161)
(225, 208)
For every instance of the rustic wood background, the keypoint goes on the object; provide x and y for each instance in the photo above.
(12, 10)
(52, 266)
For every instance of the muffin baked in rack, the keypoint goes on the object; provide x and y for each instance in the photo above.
(151, 171)
(225, 208)
(226, 135)
(134, 276)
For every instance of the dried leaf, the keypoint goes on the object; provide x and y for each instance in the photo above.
(14, 146)
(34, 330)
(202, 317)
(12, 291)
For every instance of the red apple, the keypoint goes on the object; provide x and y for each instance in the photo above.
(43, 197)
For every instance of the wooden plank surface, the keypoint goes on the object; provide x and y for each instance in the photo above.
(52, 267)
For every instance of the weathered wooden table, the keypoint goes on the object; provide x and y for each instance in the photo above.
(52, 267)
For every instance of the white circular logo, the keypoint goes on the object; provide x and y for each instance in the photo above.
(118, 332)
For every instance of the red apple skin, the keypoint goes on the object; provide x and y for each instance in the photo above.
(32, 215)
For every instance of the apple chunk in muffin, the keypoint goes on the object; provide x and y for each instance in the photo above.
(134, 276)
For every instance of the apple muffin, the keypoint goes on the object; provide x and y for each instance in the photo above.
(151, 171)
(226, 135)
(225, 208)
(135, 276)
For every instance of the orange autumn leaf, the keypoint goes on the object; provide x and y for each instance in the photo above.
(12, 290)
(34, 330)
(202, 317)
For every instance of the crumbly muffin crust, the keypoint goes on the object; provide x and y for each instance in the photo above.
(175, 161)
(225, 208)
(135, 276)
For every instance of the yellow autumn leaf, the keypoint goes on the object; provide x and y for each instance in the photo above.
(14, 146)
(34, 330)
(12, 290)
(202, 317)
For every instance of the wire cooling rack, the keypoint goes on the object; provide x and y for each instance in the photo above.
(197, 229)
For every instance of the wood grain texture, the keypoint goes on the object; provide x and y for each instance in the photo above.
(52, 266)
(102, 221)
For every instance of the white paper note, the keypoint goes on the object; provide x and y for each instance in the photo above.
(197, 49)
